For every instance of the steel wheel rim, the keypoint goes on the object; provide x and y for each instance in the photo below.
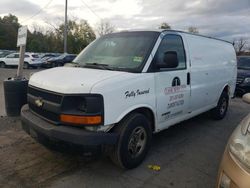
(223, 107)
(137, 142)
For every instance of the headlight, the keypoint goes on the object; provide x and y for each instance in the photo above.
(87, 109)
(82, 105)
(240, 142)
(247, 80)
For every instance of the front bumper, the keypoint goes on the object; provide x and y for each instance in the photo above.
(35, 125)
(231, 168)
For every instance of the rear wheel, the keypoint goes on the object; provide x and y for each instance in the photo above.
(2, 65)
(135, 136)
(220, 110)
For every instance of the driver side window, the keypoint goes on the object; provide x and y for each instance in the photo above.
(172, 43)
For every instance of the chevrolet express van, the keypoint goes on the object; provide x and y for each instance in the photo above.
(126, 86)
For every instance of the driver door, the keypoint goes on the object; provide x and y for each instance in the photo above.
(172, 84)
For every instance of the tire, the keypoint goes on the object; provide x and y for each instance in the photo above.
(220, 110)
(53, 64)
(60, 64)
(26, 65)
(134, 141)
(2, 65)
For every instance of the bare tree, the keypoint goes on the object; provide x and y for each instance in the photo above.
(193, 29)
(240, 45)
(164, 25)
(104, 27)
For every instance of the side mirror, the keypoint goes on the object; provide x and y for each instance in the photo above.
(170, 60)
(246, 98)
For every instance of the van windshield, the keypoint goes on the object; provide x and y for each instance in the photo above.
(125, 51)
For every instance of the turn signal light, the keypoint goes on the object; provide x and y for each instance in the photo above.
(85, 120)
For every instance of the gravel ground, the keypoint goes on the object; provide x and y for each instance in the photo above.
(188, 153)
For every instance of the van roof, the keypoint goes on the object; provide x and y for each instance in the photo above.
(176, 31)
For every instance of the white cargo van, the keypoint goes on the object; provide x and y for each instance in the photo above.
(126, 86)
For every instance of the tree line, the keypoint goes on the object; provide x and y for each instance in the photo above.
(80, 34)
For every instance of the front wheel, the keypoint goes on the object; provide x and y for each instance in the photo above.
(135, 136)
(220, 110)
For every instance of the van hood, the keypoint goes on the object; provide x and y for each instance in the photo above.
(71, 80)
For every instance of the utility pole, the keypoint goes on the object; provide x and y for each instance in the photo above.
(65, 27)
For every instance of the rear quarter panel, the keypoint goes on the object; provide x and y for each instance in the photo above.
(213, 66)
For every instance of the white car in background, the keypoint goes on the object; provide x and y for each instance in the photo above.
(30, 60)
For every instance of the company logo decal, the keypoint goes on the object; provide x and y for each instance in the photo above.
(39, 102)
(135, 93)
(176, 81)
(175, 89)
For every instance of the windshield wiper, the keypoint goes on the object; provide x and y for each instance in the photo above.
(72, 64)
(99, 65)
(104, 67)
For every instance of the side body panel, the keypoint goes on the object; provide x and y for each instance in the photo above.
(213, 66)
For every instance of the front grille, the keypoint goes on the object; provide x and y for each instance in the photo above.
(51, 99)
(239, 80)
(50, 116)
(46, 95)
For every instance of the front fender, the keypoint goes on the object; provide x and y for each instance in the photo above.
(133, 108)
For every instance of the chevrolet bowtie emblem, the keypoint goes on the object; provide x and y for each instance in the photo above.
(39, 102)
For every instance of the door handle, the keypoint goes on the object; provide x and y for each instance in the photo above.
(188, 78)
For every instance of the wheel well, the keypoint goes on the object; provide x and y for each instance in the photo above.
(227, 90)
(148, 113)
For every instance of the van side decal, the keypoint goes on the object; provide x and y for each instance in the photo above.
(175, 89)
(176, 81)
(135, 93)
(175, 104)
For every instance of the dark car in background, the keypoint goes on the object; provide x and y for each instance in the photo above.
(59, 61)
(243, 76)
(50, 55)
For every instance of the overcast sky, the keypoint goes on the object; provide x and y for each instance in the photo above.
(226, 19)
